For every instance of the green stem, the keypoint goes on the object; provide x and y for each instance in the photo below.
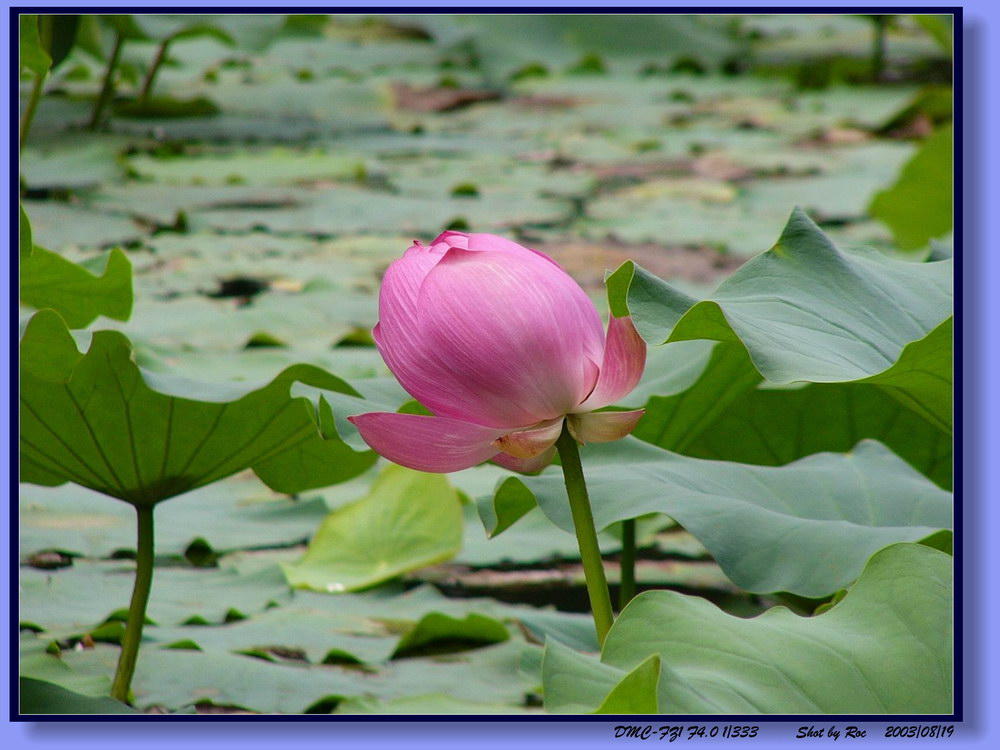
(137, 608)
(627, 590)
(586, 533)
(147, 84)
(108, 87)
(878, 47)
(29, 110)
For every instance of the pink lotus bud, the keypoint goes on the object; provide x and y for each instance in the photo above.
(501, 345)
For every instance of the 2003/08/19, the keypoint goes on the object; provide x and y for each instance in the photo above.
(920, 730)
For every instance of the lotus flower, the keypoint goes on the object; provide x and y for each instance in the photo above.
(502, 346)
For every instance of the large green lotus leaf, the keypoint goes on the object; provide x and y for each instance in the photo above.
(78, 293)
(918, 207)
(235, 513)
(922, 376)
(724, 415)
(408, 520)
(807, 311)
(886, 648)
(676, 418)
(33, 54)
(82, 596)
(175, 678)
(101, 286)
(376, 394)
(99, 421)
(576, 684)
(805, 528)
(671, 370)
(41, 697)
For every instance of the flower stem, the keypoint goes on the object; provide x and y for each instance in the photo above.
(154, 68)
(586, 534)
(627, 588)
(108, 87)
(137, 608)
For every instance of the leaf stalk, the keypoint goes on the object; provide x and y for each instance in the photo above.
(29, 110)
(627, 589)
(122, 683)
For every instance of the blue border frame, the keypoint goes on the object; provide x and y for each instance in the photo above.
(961, 560)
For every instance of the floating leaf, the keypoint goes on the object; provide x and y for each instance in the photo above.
(408, 520)
(175, 678)
(99, 421)
(437, 631)
(86, 594)
(806, 528)
(37, 662)
(40, 697)
(507, 43)
(236, 513)
(426, 703)
(84, 163)
(365, 627)
(272, 167)
(885, 649)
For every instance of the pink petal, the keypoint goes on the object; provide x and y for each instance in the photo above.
(478, 242)
(624, 360)
(525, 465)
(532, 442)
(516, 329)
(411, 359)
(434, 444)
(603, 426)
